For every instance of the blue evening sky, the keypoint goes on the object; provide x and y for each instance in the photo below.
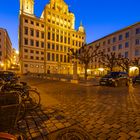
(99, 17)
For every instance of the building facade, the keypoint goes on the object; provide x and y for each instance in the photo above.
(125, 42)
(45, 41)
(5, 50)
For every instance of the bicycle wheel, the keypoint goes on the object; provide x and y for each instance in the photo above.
(34, 99)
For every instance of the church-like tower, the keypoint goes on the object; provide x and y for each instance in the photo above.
(27, 7)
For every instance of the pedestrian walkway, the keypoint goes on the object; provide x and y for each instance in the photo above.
(51, 124)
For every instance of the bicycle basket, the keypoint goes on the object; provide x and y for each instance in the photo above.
(9, 110)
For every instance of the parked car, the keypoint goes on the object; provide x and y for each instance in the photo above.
(115, 79)
(136, 79)
(8, 76)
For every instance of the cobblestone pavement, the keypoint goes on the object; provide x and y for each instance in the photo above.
(101, 113)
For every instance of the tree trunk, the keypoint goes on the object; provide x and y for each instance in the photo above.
(86, 66)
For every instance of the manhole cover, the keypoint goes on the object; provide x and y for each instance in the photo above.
(72, 134)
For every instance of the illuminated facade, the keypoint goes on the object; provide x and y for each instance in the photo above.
(125, 42)
(5, 50)
(44, 42)
(14, 60)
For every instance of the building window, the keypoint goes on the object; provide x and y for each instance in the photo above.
(37, 33)
(31, 51)
(37, 43)
(68, 40)
(37, 24)
(25, 41)
(31, 57)
(25, 50)
(57, 57)
(137, 52)
(108, 41)
(120, 37)
(26, 30)
(114, 48)
(53, 36)
(65, 40)
(61, 58)
(42, 58)
(42, 44)
(61, 48)
(32, 22)
(42, 35)
(126, 44)
(126, 54)
(53, 57)
(127, 35)
(138, 31)
(57, 38)
(48, 56)
(32, 42)
(49, 35)
(26, 20)
(37, 52)
(0, 53)
(53, 47)
(26, 65)
(32, 32)
(65, 49)
(61, 39)
(65, 58)
(37, 58)
(57, 47)
(137, 42)
(73, 42)
(42, 53)
(48, 45)
(120, 46)
(42, 25)
(114, 39)
(104, 43)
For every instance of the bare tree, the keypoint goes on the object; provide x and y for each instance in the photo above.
(124, 63)
(108, 60)
(85, 55)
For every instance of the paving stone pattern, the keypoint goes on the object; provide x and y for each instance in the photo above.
(104, 113)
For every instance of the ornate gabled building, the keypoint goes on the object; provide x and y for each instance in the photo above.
(44, 42)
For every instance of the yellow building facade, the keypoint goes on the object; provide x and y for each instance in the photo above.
(5, 50)
(45, 42)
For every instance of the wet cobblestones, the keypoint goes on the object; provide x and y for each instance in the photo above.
(104, 113)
